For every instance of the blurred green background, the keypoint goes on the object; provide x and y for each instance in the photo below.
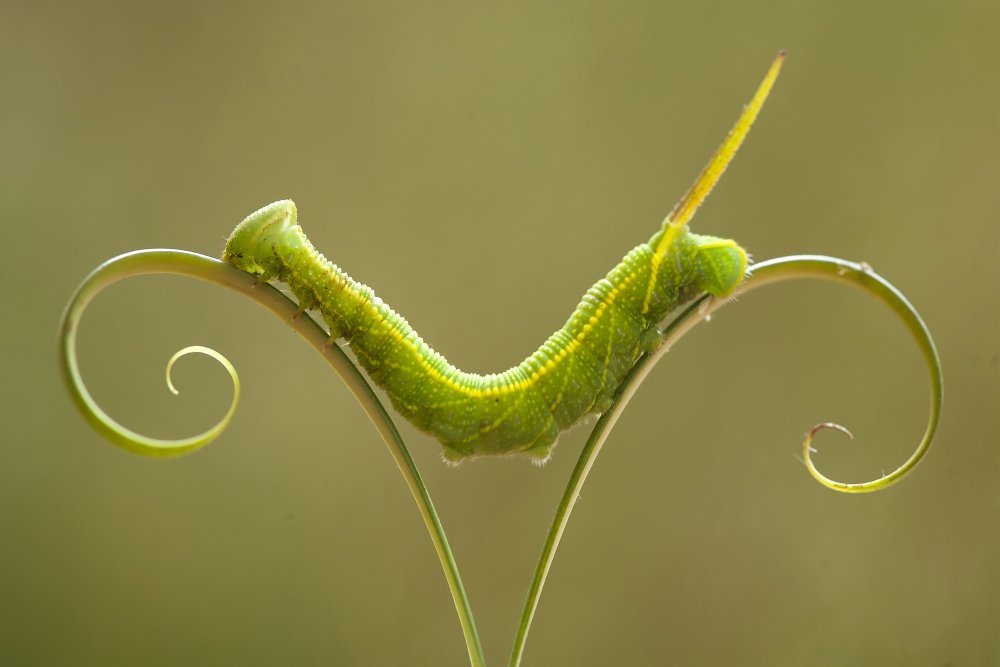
(480, 166)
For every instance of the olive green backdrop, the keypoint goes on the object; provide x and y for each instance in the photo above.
(480, 166)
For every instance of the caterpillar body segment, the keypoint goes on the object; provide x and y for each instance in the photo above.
(523, 409)
(572, 374)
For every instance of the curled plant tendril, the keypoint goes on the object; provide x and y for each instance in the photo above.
(770, 271)
(113, 430)
(201, 349)
(808, 450)
(859, 275)
(862, 276)
(211, 270)
(807, 447)
(856, 274)
(194, 265)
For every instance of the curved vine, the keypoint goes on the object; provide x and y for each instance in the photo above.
(764, 273)
(211, 270)
(111, 271)
(207, 269)
(861, 276)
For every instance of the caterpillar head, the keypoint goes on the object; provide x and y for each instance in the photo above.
(721, 265)
(251, 245)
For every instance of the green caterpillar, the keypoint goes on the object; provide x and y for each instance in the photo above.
(573, 373)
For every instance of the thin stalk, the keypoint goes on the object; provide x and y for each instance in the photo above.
(201, 267)
(764, 273)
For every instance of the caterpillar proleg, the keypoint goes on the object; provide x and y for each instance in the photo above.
(572, 374)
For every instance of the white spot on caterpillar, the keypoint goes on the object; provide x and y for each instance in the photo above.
(539, 462)
(450, 461)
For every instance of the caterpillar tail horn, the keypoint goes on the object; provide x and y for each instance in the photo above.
(710, 175)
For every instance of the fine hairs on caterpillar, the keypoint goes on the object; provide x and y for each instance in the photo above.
(573, 374)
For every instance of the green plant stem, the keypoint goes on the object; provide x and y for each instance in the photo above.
(210, 270)
(764, 273)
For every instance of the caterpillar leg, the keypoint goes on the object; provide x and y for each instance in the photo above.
(454, 454)
(540, 451)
